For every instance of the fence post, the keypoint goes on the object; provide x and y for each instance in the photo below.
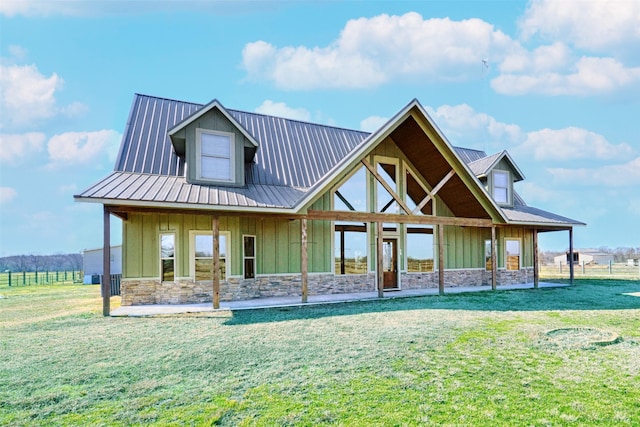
(24, 278)
(583, 267)
(9, 277)
(610, 267)
(560, 265)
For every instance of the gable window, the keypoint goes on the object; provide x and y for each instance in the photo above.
(215, 155)
(167, 257)
(249, 254)
(501, 187)
(202, 255)
(513, 254)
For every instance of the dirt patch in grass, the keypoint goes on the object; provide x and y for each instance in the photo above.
(582, 337)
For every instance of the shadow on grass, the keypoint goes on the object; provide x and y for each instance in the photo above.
(584, 295)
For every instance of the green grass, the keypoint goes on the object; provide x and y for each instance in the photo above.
(471, 359)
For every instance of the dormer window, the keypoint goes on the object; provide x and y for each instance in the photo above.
(215, 155)
(501, 187)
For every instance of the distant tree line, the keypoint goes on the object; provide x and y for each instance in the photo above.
(620, 254)
(58, 262)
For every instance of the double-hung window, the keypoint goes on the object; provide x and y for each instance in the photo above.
(215, 155)
(501, 187)
(249, 255)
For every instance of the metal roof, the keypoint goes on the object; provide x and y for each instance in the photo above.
(530, 215)
(292, 159)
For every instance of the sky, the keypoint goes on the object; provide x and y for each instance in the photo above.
(556, 83)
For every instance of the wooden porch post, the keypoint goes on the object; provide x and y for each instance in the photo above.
(342, 270)
(441, 259)
(494, 260)
(536, 261)
(106, 263)
(215, 265)
(379, 264)
(304, 270)
(571, 255)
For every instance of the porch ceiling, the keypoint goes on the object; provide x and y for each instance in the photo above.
(433, 166)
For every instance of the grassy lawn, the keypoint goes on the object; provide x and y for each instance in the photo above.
(473, 359)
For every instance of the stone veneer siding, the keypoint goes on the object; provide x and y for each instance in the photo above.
(186, 291)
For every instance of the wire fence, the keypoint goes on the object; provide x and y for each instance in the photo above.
(30, 278)
(592, 271)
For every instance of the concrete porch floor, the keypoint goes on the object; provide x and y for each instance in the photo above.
(259, 303)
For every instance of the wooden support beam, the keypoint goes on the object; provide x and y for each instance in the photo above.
(379, 263)
(345, 201)
(536, 260)
(215, 265)
(342, 269)
(304, 270)
(571, 255)
(386, 186)
(397, 218)
(431, 194)
(106, 263)
(494, 260)
(441, 259)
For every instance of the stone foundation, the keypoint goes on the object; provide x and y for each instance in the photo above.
(186, 291)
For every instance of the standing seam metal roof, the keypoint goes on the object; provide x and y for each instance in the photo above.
(292, 157)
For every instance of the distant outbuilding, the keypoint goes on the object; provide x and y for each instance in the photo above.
(588, 256)
(92, 263)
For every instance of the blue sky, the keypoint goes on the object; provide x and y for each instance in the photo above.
(556, 83)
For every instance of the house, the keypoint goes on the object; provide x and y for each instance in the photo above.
(220, 204)
(93, 263)
(586, 256)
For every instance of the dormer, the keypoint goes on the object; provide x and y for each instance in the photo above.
(498, 173)
(214, 145)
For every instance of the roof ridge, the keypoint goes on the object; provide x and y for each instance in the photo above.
(168, 99)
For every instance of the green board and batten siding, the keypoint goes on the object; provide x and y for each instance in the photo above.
(277, 242)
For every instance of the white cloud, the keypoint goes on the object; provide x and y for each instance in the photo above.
(7, 194)
(80, 8)
(18, 53)
(373, 123)
(571, 143)
(77, 148)
(15, 147)
(280, 109)
(534, 193)
(621, 175)
(372, 51)
(464, 126)
(541, 59)
(594, 25)
(589, 76)
(634, 205)
(26, 95)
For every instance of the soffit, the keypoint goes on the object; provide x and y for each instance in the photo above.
(433, 165)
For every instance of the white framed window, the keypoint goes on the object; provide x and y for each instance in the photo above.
(388, 168)
(487, 255)
(249, 256)
(513, 254)
(201, 256)
(215, 155)
(501, 187)
(419, 248)
(350, 248)
(167, 257)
